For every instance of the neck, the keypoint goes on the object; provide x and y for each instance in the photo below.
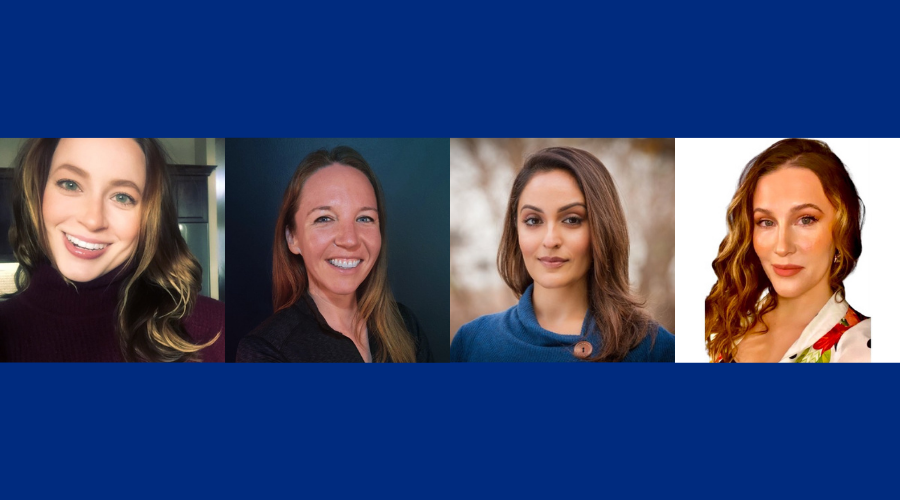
(338, 310)
(553, 306)
(803, 309)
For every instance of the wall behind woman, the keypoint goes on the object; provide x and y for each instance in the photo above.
(414, 176)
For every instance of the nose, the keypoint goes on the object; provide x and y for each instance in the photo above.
(785, 244)
(346, 235)
(93, 214)
(552, 237)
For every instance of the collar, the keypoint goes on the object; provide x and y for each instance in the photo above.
(534, 334)
(50, 293)
(307, 306)
(830, 314)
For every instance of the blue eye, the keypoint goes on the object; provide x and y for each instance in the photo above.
(765, 223)
(67, 184)
(808, 220)
(322, 219)
(365, 218)
(124, 199)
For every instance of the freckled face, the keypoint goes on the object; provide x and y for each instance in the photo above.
(553, 230)
(92, 205)
(336, 230)
(792, 232)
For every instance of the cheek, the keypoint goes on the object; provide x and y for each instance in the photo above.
(762, 242)
(53, 208)
(529, 240)
(582, 243)
(372, 238)
(127, 226)
(818, 242)
(312, 243)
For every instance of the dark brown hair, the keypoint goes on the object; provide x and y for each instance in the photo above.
(165, 277)
(735, 303)
(611, 301)
(377, 308)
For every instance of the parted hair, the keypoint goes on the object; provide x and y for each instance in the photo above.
(290, 282)
(163, 279)
(617, 312)
(743, 293)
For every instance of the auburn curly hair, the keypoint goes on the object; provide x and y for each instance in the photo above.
(743, 293)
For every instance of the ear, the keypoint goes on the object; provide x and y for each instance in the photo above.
(291, 243)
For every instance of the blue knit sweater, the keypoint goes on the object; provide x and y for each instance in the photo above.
(515, 335)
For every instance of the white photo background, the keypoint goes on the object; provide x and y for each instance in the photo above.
(707, 173)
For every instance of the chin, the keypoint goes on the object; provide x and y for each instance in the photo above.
(552, 283)
(340, 288)
(79, 275)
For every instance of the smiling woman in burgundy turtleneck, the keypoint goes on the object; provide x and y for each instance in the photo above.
(104, 273)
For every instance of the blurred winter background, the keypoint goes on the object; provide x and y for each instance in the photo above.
(481, 176)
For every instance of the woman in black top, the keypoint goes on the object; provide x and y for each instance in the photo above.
(330, 291)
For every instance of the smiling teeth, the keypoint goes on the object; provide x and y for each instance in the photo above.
(344, 263)
(85, 245)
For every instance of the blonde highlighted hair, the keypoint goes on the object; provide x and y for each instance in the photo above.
(743, 293)
(290, 282)
(164, 277)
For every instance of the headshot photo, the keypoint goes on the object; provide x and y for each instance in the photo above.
(112, 251)
(342, 250)
(562, 250)
(778, 244)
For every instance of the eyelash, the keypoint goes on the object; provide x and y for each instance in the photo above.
(532, 220)
(810, 218)
(70, 185)
(326, 218)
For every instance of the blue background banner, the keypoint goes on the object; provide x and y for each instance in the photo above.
(462, 69)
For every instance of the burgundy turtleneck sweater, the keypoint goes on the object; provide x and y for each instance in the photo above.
(55, 321)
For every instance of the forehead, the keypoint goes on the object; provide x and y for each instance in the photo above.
(554, 188)
(338, 185)
(121, 158)
(788, 187)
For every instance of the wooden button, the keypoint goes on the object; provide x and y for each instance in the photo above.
(583, 349)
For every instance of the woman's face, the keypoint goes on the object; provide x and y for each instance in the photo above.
(792, 222)
(92, 205)
(553, 231)
(336, 230)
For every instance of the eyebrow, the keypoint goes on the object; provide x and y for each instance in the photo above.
(797, 208)
(85, 174)
(328, 207)
(561, 209)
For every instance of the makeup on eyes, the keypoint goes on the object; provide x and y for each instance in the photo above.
(121, 198)
(570, 218)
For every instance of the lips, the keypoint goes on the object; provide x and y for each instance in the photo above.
(786, 270)
(553, 262)
(83, 248)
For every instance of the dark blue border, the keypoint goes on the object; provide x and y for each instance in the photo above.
(463, 69)
(446, 430)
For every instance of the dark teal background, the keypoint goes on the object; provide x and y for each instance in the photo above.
(414, 175)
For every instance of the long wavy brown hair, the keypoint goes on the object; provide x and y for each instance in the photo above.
(610, 298)
(164, 280)
(743, 293)
(377, 307)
